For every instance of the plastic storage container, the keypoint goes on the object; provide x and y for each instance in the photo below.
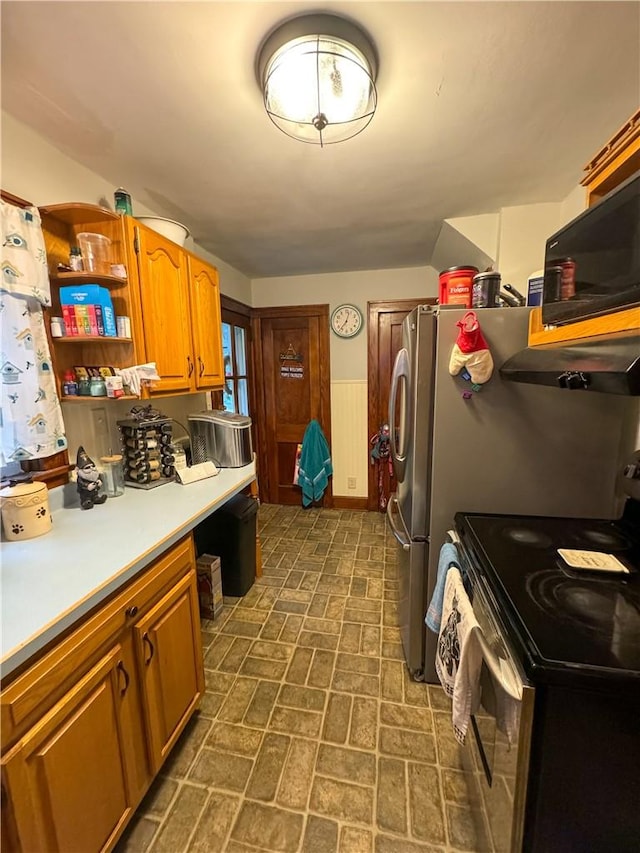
(96, 252)
(230, 532)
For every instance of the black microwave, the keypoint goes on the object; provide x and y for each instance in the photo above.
(592, 265)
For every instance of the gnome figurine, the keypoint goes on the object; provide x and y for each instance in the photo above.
(89, 482)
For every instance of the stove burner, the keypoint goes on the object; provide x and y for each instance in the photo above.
(593, 605)
(526, 536)
(606, 538)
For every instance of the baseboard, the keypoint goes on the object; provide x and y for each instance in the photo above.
(345, 502)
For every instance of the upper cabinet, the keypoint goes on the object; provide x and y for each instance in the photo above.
(615, 162)
(164, 322)
(179, 318)
(171, 296)
(205, 314)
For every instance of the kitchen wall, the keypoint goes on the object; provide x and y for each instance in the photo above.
(350, 447)
(348, 357)
(36, 170)
(523, 233)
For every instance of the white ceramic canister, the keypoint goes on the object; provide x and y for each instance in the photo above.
(25, 511)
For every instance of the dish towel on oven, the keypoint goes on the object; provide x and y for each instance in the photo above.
(448, 557)
(459, 656)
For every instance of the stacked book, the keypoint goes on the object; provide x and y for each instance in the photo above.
(87, 309)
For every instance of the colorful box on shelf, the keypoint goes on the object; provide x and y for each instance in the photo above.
(92, 313)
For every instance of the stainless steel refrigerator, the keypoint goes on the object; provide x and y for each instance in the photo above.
(511, 448)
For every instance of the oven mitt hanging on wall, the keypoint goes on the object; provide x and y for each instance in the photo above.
(471, 351)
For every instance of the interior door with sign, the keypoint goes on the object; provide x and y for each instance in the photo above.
(293, 361)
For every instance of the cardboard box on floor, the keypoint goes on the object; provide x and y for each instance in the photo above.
(209, 586)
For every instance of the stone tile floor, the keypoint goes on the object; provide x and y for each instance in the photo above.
(311, 737)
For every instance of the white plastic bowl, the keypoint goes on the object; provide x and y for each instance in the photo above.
(169, 228)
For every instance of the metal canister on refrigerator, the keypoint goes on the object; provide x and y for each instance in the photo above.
(485, 290)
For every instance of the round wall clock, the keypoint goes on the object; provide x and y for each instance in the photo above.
(347, 321)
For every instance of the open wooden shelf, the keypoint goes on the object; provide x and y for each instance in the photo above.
(91, 339)
(88, 278)
(618, 322)
(79, 213)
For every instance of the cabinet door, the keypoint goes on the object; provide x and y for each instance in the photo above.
(67, 780)
(169, 653)
(164, 297)
(206, 324)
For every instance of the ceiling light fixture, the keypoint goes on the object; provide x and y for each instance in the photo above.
(317, 74)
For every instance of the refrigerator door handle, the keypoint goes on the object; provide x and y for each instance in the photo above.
(400, 535)
(399, 434)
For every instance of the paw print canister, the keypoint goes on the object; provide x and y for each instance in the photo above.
(25, 511)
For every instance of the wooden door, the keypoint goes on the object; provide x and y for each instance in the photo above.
(292, 379)
(385, 339)
(205, 323)
(164, 297)
(67, 777)
(169, 652)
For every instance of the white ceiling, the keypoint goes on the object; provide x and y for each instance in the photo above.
(480, 105)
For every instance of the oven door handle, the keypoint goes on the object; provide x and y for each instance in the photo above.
(399, 534)
(504, 676)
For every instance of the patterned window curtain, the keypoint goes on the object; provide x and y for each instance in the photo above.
(30, 414)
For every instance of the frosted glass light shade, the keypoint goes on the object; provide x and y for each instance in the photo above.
(319, 88)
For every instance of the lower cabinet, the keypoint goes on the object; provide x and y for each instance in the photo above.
(73, 776)
(167, 643)
(68, 776)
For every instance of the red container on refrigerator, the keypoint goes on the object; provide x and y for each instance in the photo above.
(456, 286)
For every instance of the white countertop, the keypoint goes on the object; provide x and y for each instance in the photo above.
(50, 582)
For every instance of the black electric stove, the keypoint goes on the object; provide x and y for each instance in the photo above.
(577, 637)
(562, 618)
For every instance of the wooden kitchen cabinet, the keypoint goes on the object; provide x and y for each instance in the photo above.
(61, 223)
(170, 662)
(164, 302)
(616, 161)
(68, 777)
(87, 726)
(206, 324)
(179, 313)
(171, 296)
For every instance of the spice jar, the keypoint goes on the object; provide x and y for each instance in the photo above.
(97, 387)
(113, 479)
(75, 259)
(70, 386)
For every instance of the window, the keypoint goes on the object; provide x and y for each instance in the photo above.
(235, 395)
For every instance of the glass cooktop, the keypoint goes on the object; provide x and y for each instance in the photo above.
(570, 616)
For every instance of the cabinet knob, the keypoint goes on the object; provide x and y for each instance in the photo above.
(201, 363)
(132, 611)
(190, 363)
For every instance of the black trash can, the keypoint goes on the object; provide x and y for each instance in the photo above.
(230, 533)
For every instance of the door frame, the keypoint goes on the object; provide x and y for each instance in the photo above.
(374, 309)
(272, 313)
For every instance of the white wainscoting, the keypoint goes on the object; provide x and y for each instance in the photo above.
(349, 439)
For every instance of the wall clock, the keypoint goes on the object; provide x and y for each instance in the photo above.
(347, 321)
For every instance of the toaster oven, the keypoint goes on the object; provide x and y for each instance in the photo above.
(223, 437)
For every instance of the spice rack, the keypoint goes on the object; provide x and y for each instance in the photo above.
(61, 223)
(146, 448)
